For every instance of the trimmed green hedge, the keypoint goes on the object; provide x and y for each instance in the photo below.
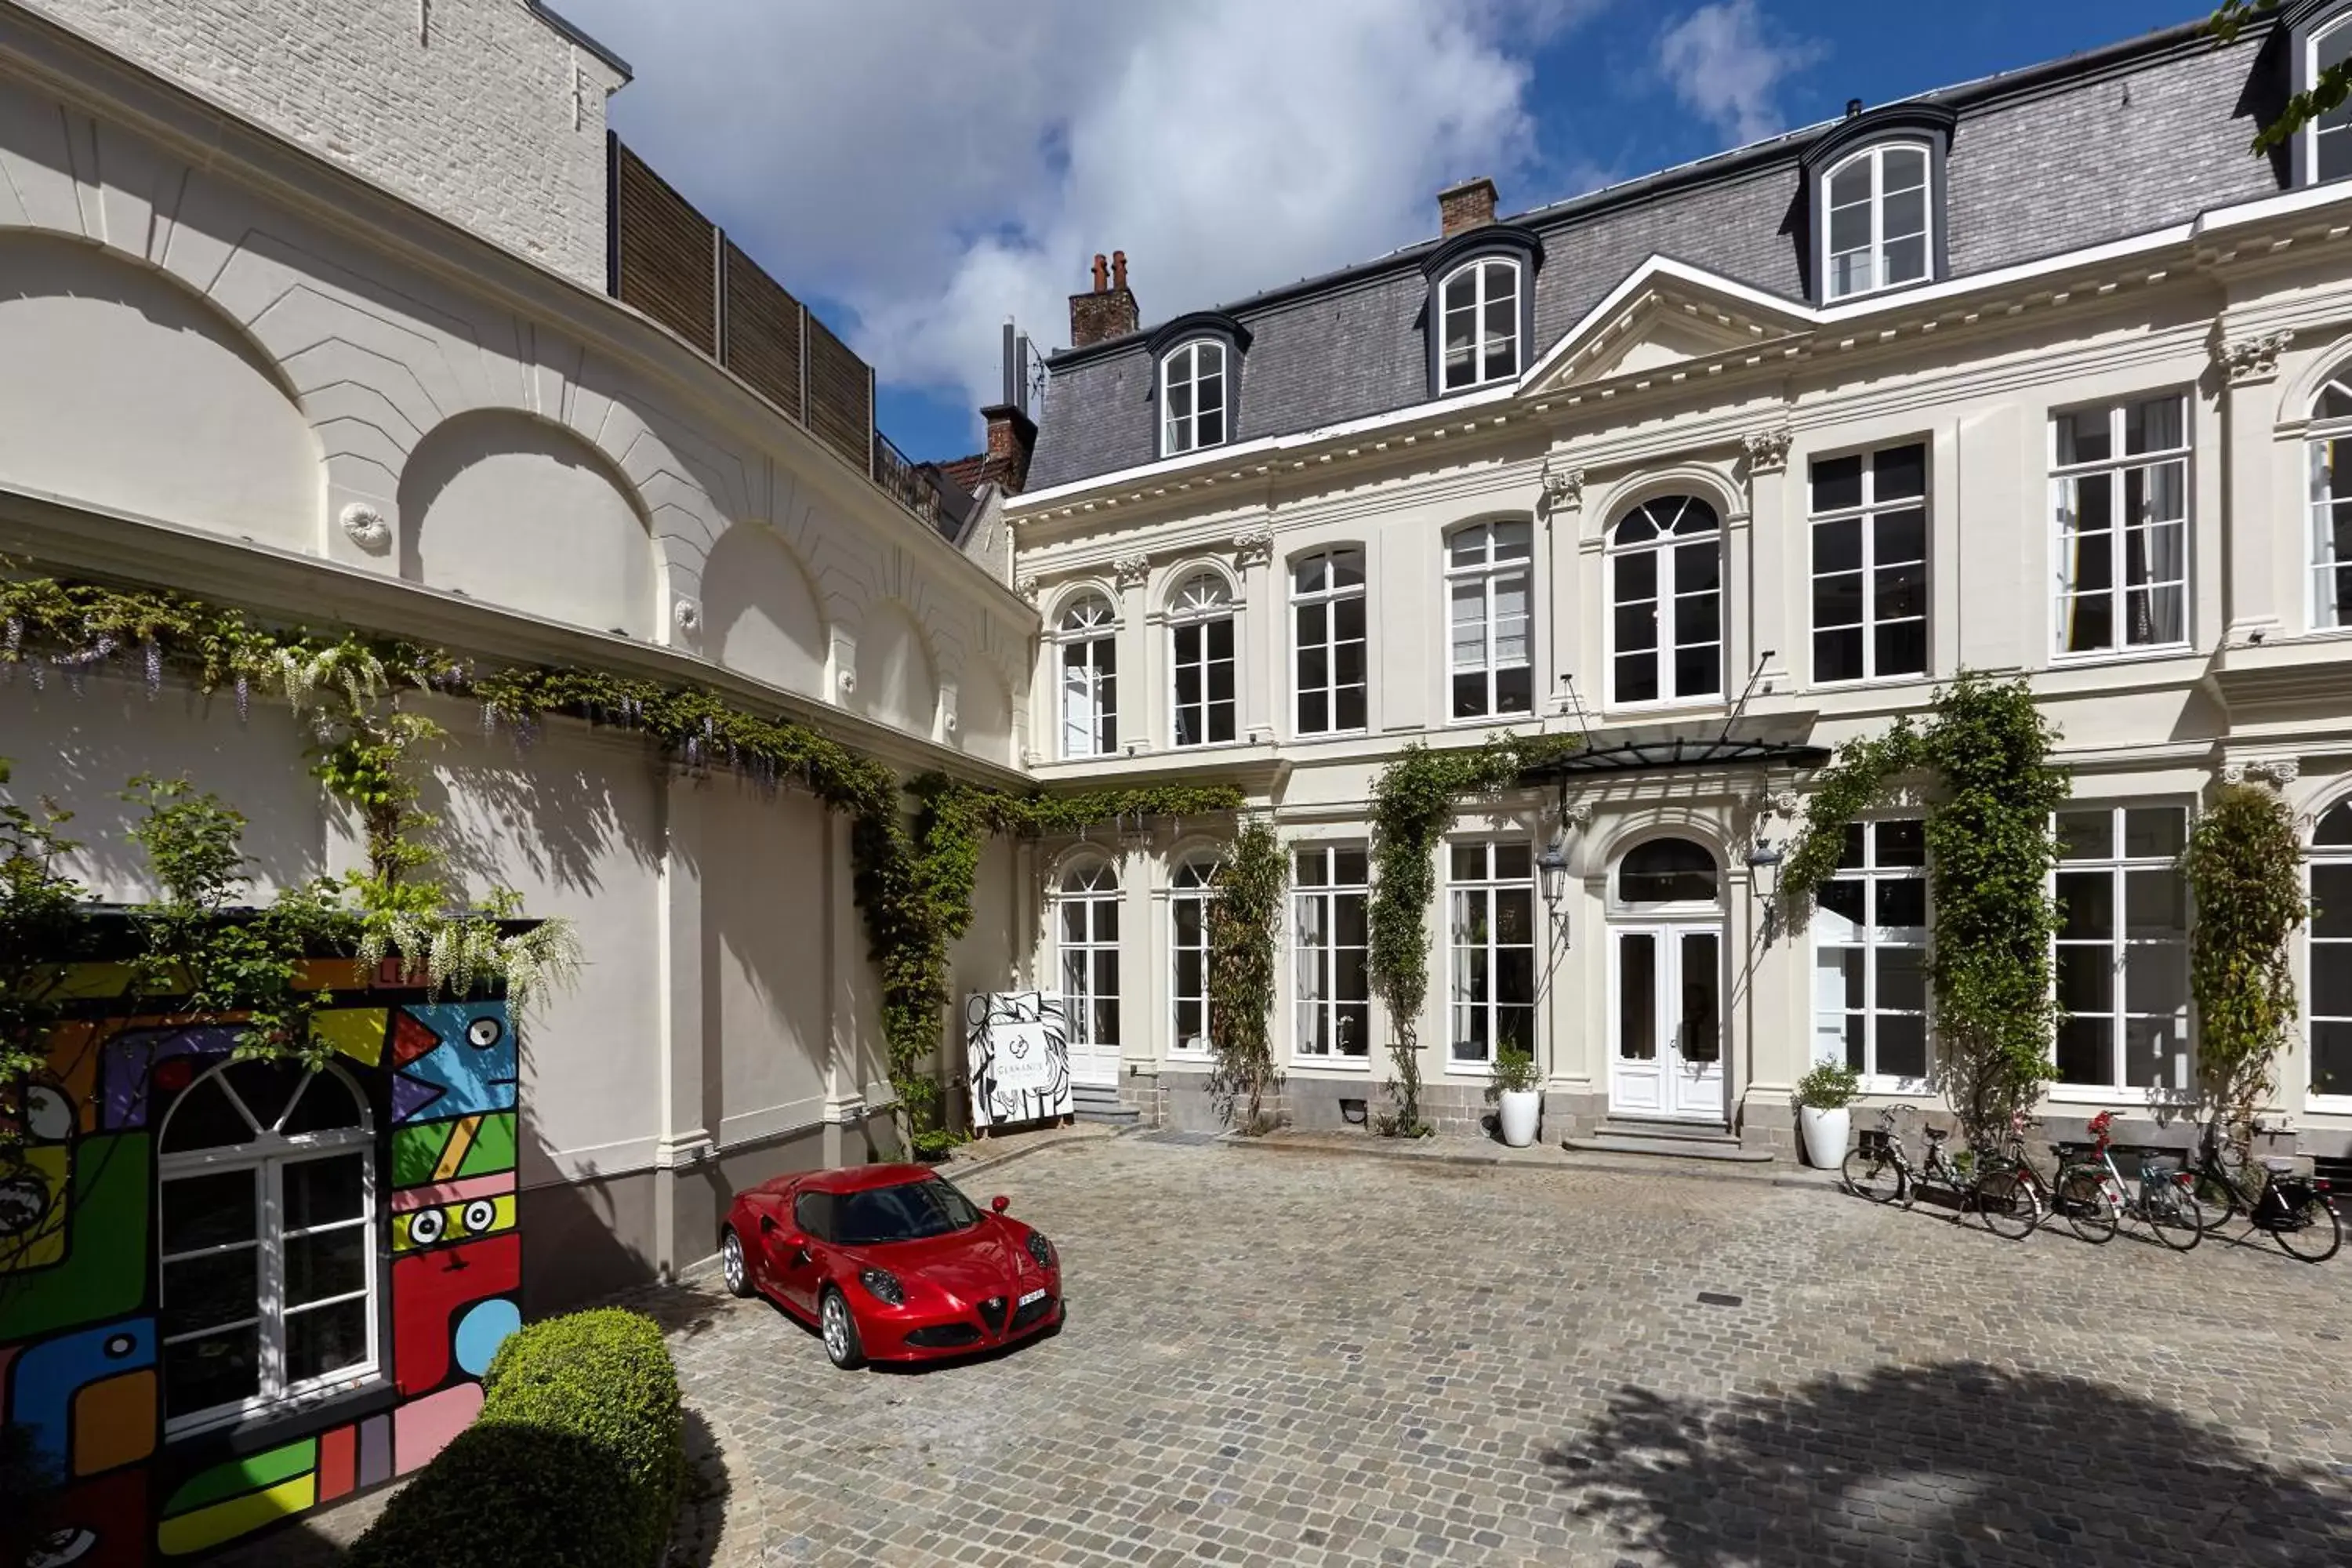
(575, 1462)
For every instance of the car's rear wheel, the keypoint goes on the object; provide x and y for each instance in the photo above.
(731, 1266)
(840, 1333)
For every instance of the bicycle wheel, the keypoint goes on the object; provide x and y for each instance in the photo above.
(2312, 1233)
(2082, 1198)
(2217, 1201)
(1874, 1177)
(2009, 1205)
(2178, 1219)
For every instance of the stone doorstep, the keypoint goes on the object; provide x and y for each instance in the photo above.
(1460, 1151)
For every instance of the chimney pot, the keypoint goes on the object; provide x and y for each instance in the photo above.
(1101, 274)
(1852, 107)
(1118, 269)
(1468, 205)
(1110, 311)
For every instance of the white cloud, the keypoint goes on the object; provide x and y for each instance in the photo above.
(1723, 64)
(941, 166)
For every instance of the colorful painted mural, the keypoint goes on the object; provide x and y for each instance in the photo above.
(233, 1291)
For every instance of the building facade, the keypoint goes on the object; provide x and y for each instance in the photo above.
(2038, 376)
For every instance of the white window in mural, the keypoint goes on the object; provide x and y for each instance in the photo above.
(1326, 606)
(1870, 956)
(1489, 572)
(1201, 643)
(1087, 918)
(1877, 219)
(1189, 892)
(1870, 564)
(1088, 643)
(1491, 926)
(1665, 580)
(2331, 495)
(2119, 485)
(2328, 1003)
(267, 1205)
(2123, 949)
(1332, 981)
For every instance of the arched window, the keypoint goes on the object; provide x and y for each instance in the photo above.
(1087, 914)
(1193, 399)
(1189, 892)
(1665, 574)
(1478, 311)
(1488, 568)
(266, 1239)
(1668, 871)
(2330, 155)
(1876, 206)
(1088, 635)
(2330, 1004)
(1327, 605)
(2331, 497)
(1200, 644)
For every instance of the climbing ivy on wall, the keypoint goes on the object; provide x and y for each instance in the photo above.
(1414, 804)
(1991, 850)
(1244, 936)
(2245, 875)
(914, 876)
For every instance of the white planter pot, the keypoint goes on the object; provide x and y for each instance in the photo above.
(1825, 1132)
(1521, 1109)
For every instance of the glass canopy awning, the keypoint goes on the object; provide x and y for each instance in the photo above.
(1655, 756)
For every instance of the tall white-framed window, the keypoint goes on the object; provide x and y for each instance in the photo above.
(265, 1234)
(1327, 610)
(1086, 638)
(1870, 564)
(1479, 309)
(1489, 575)
(1330, 906)
(1200, 644)
(1491, 931)
(1665, 589)
(1086, 915)
(2123, 949)
(1192, 397)
(2119, 488)
(1878, 228)
(1192, 888)
(2327, 1001)
(1870, 956)
(2331, 489)
(2330, 153)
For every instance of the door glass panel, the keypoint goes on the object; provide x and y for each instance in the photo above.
(1700, 1035)
(1637, 997)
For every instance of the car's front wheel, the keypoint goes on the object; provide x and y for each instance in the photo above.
(731, 1266)
(840, 1333)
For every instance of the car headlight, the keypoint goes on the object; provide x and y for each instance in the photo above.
(1041, 1250)
(884, 1286)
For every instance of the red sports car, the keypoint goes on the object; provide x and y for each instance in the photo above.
(891, 1263)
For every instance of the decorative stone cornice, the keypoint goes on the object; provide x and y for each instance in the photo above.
(1768, 449)
(1027, 588)
(2253, 358)
(366, 527)
(688, 614)
(1563, 488)
(1253, 548)
(2277, 772)
(1132, 570)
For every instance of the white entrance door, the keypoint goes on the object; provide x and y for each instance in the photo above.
(1088, 934)
(1666, 1022)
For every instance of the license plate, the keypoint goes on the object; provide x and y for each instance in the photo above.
(1032, 1295)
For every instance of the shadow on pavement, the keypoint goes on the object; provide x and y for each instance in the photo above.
(1958, 1463)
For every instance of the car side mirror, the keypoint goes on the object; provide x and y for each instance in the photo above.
(1000, 1202)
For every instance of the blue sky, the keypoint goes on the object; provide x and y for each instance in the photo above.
(920, 169)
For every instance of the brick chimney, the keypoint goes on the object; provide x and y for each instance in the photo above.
(1107, 312)
(1012, 438)
(1468, 205)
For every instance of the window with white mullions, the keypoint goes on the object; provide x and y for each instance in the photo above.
(266, 1206)
(2120, 490)
(1870, 564)
(1479, 312)
(1087, 637)
(1189, 893)
(1665, 575)
(2331, 133)
(2328, 997)
(1878, 219)
(1332, 989)
(1200, 638)
(1192, 397)
(1489, 573)
(2123, 949)
(1492, 930)
(1870, 956)
(1087, 916)
(1326, 600)
(2331, 498)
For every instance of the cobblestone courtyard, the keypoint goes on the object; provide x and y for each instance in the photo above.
(1282, 1358)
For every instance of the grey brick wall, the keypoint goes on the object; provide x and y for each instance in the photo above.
(470, 115)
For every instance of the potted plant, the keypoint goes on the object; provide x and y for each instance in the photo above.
(1822, 1098)
(1513, 1085)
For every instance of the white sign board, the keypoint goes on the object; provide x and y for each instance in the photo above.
(1017, 1051)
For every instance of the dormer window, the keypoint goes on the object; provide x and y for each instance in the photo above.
(1876, 202)
(1479, 305)
(2329, 156)
(1192, 397)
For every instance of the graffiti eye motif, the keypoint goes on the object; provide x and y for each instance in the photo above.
(480, 1215)
(484, 1033)
(49, 1114)
(23, 1200)
(425, 1228)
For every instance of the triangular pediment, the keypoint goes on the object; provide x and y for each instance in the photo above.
(1665, 313)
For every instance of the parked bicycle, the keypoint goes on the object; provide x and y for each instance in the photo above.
(2091, 1194)
(2298, 1211)
(2003, 1188)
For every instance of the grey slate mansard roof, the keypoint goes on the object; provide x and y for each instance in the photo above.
(2052, 158)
